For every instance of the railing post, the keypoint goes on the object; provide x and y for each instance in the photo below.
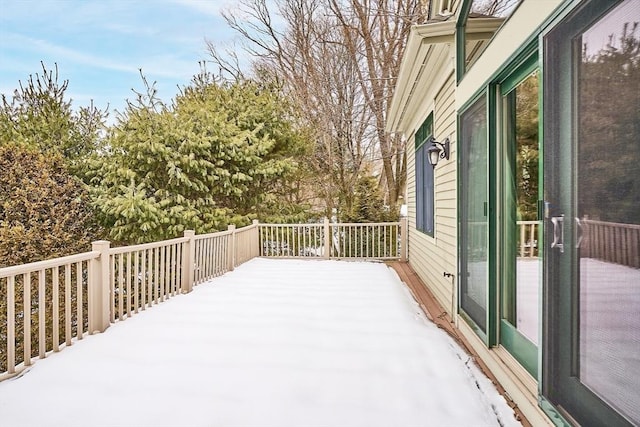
(188, 259)
(327, 238)
(98, 288)
(231, 256)
(404, 238)
(256, 249)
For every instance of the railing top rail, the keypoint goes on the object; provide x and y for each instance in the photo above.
(611, 224)
(144, 246)
(310, 224)
(528, 222)
(210, 235)
(320, 224)
(49, 263)
(245, 229)
(225, 232)
(363, 224)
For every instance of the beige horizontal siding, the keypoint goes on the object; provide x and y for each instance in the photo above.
(430, 256)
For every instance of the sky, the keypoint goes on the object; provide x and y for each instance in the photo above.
(272, 343)
(100, 45)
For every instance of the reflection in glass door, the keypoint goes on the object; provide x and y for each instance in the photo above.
(608, 214)
(519, 231)
(592, 184)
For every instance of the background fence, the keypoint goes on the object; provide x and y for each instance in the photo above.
(610, 242)
(528, 239)
(605, 241)
(335, 240)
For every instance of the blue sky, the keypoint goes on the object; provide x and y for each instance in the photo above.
(99, 45)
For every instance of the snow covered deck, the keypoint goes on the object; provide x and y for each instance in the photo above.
(273, 343)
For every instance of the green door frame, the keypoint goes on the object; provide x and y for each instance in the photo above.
(525, 351)
(487, 334)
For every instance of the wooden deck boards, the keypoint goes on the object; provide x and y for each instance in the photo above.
(442, 319)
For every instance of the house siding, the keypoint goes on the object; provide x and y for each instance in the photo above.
(429, 256)
(431, 85)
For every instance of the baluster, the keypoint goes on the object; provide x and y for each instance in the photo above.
(26, 285)
(11, 324)
(136, 281)
(128, 284)
(143, 279)
(80, 301)
(42, 336)
(55, 274)
(67, 303)
(163, 285)
(121, 290)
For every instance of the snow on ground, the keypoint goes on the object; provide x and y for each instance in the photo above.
(273, 343)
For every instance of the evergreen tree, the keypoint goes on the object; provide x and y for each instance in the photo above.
(368, 202)
(44, 211)
(39, 115)
(609, 126)
(218, 155)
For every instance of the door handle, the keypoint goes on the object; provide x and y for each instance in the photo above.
(558, 232)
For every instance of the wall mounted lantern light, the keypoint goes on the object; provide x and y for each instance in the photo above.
(436, 153)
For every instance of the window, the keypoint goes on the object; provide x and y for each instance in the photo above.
(424, 179)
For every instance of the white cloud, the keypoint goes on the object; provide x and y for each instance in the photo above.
(162, 66)
(62, 52)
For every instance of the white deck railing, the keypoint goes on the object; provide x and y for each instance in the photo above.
(55, 295)
(526, 243)
(334, 240)
(292, 240)
(528, 239)
(47, 305)
(141, 276)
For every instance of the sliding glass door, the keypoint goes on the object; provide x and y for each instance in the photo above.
(519, 226)
(474, 214)
(592, 189)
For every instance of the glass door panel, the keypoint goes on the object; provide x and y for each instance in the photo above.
(474, 213)
(592, 152)
(607, 220)
(519, 288)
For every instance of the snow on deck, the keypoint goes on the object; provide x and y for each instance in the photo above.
(273, 343)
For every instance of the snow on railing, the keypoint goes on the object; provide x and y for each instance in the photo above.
(47, 305)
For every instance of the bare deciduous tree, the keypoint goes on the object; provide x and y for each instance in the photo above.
(339, 60)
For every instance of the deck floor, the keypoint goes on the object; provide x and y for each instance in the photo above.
(273, 343)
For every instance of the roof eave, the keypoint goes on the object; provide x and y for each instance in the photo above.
(421, 38)
(414, 59)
